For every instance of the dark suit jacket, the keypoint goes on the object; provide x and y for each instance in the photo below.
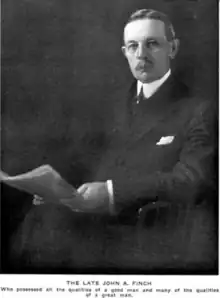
(167, 181)
(172, 185)
(144, 172)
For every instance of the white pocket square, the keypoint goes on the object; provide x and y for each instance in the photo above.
(165, 140)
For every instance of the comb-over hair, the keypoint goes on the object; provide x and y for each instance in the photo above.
(154, 15)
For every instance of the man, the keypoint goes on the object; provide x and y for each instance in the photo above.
(165, 147)
(159, 157)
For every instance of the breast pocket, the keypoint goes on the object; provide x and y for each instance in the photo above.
(166, 140)
(167, 151)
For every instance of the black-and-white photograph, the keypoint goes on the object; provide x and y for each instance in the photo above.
(109, 137)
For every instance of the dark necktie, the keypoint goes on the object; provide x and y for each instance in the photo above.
(140, 96)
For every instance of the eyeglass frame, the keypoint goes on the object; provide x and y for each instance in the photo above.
(147, 40)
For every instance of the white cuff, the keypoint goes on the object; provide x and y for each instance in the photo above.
(109, 184)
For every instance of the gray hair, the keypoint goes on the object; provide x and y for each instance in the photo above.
(154, 15)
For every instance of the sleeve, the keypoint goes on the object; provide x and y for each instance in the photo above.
(191, 175)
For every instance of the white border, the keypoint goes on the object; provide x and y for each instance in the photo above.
(173, 282)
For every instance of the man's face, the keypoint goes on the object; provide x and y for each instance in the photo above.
(147, 49)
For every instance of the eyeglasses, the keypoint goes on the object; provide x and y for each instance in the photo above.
(151, 45)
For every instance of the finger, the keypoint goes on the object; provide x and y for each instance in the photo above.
(69, 203)
(37, 200)
(86, 194)
(82, 188)
(38, 197)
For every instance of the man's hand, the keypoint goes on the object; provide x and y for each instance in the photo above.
(92, 197)
(37, 200)
(96, 197)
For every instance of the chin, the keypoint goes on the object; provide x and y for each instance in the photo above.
(146, 77)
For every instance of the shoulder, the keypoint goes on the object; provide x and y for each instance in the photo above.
(197, 110)
(203, 120)
(203, 108)
(193, 104)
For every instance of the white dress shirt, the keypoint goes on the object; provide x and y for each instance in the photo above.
(148, 89)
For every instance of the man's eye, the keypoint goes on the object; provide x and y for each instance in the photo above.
(132, 46)
(152, 43)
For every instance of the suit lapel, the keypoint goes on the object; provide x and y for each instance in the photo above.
(151, 112)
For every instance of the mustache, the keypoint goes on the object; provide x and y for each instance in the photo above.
(143, 64)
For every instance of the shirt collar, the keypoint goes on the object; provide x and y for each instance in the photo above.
(150, 88)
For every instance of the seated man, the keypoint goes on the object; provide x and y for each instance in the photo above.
(160, 155)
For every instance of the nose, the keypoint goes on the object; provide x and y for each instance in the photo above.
(141, 51)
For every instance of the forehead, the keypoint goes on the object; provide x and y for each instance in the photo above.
(142, 29)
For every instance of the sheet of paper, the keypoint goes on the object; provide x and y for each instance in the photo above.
(47, 183)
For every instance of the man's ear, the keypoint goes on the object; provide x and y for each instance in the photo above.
(123, 49)
(174, 47)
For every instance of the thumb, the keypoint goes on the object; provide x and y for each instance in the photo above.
(82, 188)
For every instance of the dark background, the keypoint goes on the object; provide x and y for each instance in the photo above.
(61, 62)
